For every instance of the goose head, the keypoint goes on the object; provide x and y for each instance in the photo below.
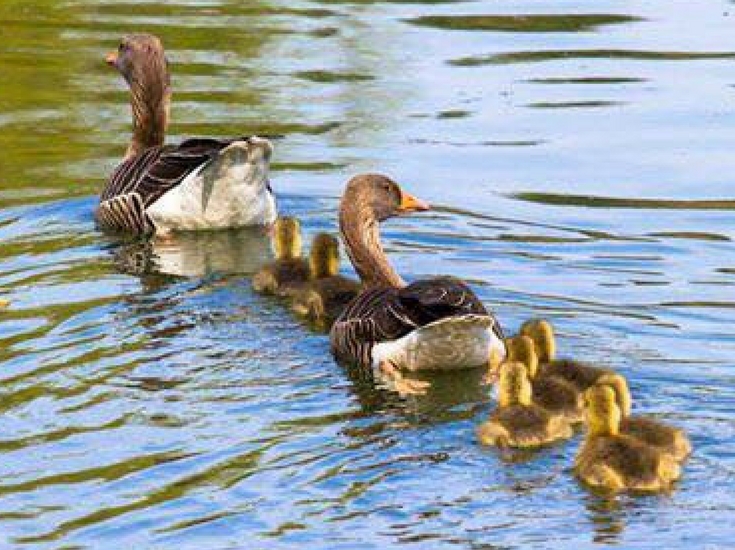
(141, 61)
(368, 200)
(380, 198)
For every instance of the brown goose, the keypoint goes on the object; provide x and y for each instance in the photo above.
(198, 184)
(431, 324)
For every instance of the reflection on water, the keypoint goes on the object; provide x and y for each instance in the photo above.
(618, 202)
(580, 162)
(199, 254)
(550, 55)
(523, 22)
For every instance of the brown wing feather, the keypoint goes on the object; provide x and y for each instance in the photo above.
(385, 314)
(140, 181)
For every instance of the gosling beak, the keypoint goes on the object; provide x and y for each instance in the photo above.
(409, 203)
(111, 59)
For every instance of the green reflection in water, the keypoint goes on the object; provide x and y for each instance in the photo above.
(614, 202)
(534, 56)
(331, 76)
(522, 23)
(573, 104)
(587, 80)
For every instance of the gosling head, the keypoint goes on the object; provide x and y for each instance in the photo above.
(521, 349)
(324, 256)
(542, 334)
(603, 413)
(514, 387)
(622, 393)
(287, 238)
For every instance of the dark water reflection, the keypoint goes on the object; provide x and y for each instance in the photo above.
(580, 162)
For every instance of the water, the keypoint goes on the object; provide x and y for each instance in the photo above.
(579, 159)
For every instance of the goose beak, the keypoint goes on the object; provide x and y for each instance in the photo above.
(409, 203)
(111, 59)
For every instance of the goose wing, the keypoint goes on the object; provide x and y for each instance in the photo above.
(140, 181)
(429, 300)
(386, 314)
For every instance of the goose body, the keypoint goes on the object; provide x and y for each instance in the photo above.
(457, 342)
(439, 316)
(436, 323)
(198, 184)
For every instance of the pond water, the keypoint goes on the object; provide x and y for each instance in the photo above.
(579, 156)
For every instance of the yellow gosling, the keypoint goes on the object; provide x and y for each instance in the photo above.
(324, 256)
(323, 298)
(667, 439)
(551, 392)
(287, 238)
(517, 422)
(581, 375)
(289, 269)
(611, 461)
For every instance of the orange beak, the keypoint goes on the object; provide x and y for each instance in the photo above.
(111, 59)
(409, 203)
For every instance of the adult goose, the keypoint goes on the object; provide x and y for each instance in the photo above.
(198, 184)
(430, 324)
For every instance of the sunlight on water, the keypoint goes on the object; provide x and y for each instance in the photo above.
(579, 158)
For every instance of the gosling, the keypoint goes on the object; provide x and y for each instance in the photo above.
(553, 393)
(667, 439)
(582, 376)
(322, 299)
(518, 422)
(289, 270)
(614, 462)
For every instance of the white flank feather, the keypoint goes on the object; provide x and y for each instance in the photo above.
(230, 191)
(460, 342)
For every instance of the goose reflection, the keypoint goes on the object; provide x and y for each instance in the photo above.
(197, 254)
(452, 397)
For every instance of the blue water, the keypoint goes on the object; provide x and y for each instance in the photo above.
(580, 170)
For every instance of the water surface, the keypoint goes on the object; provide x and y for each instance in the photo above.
(580, 161)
